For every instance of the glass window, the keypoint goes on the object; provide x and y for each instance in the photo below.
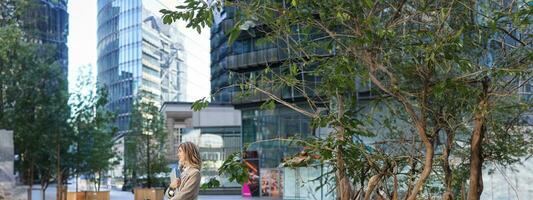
(249, 127)
(241, 46)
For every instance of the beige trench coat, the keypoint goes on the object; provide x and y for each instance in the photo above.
(189, 187)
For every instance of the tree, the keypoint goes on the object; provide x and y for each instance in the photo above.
(145, 144)
(94, 147)
(413, 53)
(33, 97)
(33, 104)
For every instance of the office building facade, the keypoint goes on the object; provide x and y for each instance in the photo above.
(138, 58)
(137, 55)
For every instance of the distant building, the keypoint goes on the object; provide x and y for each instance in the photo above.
(216, 130)
(47, 23)
(138, 57)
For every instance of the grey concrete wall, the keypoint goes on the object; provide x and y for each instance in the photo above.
(180, 115)
(6, 156)
(7, 181)
(216, 116)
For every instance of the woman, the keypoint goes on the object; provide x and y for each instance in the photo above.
(188, 185)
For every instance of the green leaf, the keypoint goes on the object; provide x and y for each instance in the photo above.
(293, 69)
(294, 3)
(198, 29)
(212, 183)
(210, 19)
(368, 3)
(200, 104)
(167, 19)
(234, 34)
(268, 105)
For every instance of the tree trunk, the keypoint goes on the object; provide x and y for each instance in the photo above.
(99, 181)
(44, 184)
(372, 184)
(64, 173)
(134, 177)
(428, 165)
(412, 171)
(30, 179)
(77, 162)
(463, 195)
(476, 151)
(395, 188)
(344, 184)
(476, 160)
(420, 123)
(58, 171)
(448, 176)
(379, 196)
(345, 189)
(77, 176)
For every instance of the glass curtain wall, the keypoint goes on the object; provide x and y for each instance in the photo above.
(261, 133)
(262, 130)
(46, 22)
(119, 54)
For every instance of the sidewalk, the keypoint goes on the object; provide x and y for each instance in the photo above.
(124, 195)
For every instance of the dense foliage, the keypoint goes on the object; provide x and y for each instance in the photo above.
(443, 76)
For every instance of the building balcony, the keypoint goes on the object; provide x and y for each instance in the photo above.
(255, 58)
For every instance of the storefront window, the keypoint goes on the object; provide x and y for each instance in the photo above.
(261, 129)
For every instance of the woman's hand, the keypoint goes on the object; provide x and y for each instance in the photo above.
(175, 184)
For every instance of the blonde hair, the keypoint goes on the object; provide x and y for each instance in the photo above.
(192, 155)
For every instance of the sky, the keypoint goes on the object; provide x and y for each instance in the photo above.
(82, 38)
(82, 46)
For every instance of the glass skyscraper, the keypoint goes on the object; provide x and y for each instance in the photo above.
(119, 50)
(137, 55)
(47, 23)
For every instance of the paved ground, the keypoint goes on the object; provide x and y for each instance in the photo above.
(121, 195)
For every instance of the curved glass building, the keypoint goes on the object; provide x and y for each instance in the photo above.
(119, 54)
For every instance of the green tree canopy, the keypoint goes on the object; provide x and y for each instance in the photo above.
(145, 145)
(446, 68)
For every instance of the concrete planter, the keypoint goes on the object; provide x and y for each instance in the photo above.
(88, 195)
(75, 195)
(149, 193)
